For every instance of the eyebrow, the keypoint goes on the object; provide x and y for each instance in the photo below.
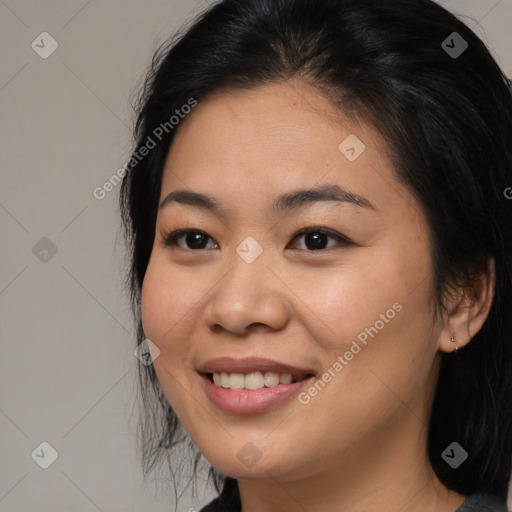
(283, 203)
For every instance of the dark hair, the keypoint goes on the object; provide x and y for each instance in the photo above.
(448, 122)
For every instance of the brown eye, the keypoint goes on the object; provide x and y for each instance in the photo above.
(193, 239)
(315, 239)
(318, 239)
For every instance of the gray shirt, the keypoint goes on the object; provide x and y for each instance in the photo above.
(229, 501)
(481, 502)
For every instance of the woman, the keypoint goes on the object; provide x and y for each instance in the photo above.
(371, 371)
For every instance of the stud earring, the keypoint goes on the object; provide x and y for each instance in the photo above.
(454, 340)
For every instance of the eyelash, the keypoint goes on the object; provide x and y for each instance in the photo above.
(169, 240)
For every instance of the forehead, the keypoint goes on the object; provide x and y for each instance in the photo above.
(247, 144)
(289, 120)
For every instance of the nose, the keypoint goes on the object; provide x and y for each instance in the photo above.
(250, 296)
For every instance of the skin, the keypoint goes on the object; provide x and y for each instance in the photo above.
(360, 443)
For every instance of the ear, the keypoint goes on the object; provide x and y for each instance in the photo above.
(468, 311)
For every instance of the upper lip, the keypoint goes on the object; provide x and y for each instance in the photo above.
(249, 365)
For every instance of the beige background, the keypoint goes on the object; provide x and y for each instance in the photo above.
(67, 367)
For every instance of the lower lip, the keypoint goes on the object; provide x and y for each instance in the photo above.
(251, 401)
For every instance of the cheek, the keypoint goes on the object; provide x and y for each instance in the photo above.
(343, 301)
(154, 302)
(166, 305)
(161, 309)
(377, 309)
(168, 298)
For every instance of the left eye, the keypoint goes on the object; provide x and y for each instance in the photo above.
(194, 238)
(317, 238)
(314, 239)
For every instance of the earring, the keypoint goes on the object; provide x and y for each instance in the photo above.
(454, 340)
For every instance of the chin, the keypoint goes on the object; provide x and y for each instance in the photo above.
(245, 461)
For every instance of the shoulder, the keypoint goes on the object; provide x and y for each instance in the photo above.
(213, 506)
(482, 502)
(227, 501)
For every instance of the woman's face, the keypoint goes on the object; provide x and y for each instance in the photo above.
(354, 311)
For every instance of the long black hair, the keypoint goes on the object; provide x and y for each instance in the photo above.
(445, 108)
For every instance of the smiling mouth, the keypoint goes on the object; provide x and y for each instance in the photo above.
(254, 380)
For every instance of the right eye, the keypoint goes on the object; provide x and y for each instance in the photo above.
(195, 239)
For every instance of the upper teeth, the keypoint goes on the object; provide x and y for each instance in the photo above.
(255, 380)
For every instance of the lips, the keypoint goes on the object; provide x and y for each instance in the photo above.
(253, 364)
(249, 401)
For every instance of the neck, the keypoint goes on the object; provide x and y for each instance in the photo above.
(388, 472)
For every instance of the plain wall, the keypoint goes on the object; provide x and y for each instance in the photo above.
(68, 369)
